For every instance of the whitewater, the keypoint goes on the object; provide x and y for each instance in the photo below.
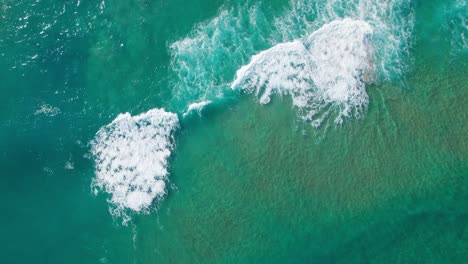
(131, 156)
(331, 66)
(323, 64)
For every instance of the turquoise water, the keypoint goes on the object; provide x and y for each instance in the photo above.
(245, 182)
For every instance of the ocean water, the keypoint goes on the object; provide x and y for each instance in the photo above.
(301, 131)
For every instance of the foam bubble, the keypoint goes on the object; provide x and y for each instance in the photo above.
(330, 66)
(196, 107)
(69, 165)
(131, 156)
(47, 110)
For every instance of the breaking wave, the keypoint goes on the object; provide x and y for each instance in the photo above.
(321, 64)
(321, 53)
(131, 156)
(331, 66)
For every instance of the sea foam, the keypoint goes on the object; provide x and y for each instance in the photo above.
(392, 22)
(331, 66)
(131, 156)
(47, 110)
(321, 53)
(308, 39)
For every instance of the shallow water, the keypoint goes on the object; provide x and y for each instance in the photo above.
(247, 182)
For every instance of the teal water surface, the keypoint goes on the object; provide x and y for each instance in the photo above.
(248, 183)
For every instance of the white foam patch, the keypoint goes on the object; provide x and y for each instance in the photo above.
(47, 110)
(69, 165)
(329, 67)
(198, 107)
(392, 22)
(131, 156)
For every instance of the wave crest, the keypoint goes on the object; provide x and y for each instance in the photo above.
(198, 107)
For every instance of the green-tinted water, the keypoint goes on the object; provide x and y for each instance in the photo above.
(249, 183)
